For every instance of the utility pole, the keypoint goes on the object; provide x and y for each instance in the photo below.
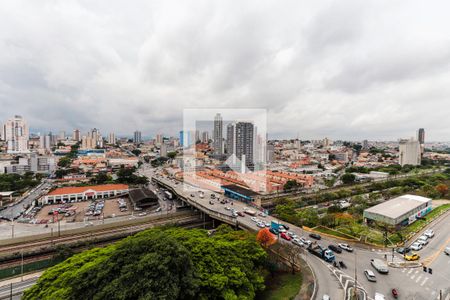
(21, 267)
(356, 276)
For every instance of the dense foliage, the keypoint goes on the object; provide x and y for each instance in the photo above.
(15, 182)
(128, 176)
(163, 263)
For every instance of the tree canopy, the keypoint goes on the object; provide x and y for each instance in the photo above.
(160, 263)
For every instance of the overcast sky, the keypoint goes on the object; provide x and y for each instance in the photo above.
(342, 69)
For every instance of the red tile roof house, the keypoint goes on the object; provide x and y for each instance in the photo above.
(83, 193)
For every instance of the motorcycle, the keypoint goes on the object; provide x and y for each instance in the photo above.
(395, 293)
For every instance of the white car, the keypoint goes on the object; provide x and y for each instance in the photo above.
(345, 247)
(447, 251)
(296, 241)
(261, 225)
(227, 207)
(282, 229)
(416, 246)
(429, 233)
(253, 219)
(267, 224)
(423, 240)
(305, 241)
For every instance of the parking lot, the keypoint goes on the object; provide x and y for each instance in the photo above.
(87, 210)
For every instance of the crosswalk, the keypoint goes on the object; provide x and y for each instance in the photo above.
(421, 279)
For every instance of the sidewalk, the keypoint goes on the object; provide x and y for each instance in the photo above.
(19, 278)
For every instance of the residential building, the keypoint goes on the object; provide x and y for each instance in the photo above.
(409, 152)
(205, 137)
(32, 163)
(16, 134)
(244, 142)
(159, 139)
(76, 135)
(137, 138)
(62, 135)
(421, 136)
(45, 142)
(112, 138)
(218, 135)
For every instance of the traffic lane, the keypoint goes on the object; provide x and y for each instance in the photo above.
(17, 287)
(441, 237)
(326, 282)
(441, 272)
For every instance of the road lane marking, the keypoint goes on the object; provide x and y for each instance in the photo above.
(410, 270)
(412, 277)
(430, 259)
(423, 281)
(403, 270)
(418, 278)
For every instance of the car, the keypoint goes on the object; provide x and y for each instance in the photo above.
(402, 250)
(447, 251)
(274, 231)
(297, 242)
(210, 202)
(422, 242)
(253, 219)
(315, 236)
(227, 208)
(429, 233)
(346, 247)
(291, 234)
(261, 214)
(158, 209)
(412, 256)
(424, 239)
(261, 225)
(305, 241)
(267, 224)
(241, 214)
(192, 195)
(326, 297)
(416, 246)
(282, 229)
(285, 226)
(335, 248)
(285, 236)
(370, 275)
(234, 215)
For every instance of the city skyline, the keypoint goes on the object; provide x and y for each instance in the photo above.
(320, 69)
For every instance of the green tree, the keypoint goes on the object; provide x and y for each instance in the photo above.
(348, 178)
(172, 154)
(290, 184)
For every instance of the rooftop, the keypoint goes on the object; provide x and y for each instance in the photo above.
(240, 190)
(82, 189)
(397, 207)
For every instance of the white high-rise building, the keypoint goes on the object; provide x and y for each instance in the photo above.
(16, 135)
(218, 134)
(62, 135)
(112, 138)
(45, 142)
(137, 137)
(409, 152)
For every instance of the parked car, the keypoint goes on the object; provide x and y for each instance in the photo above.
(261, 225)
(346, 247)
(285, 236)
(335, 248)
(423, 239)
(370, 275)
(241, 214)
(416, 246)
(412, 256)
(285, 226)
(282, 229)
(429, 233)
(315, 236)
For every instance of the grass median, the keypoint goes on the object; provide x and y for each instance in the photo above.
(283, 286)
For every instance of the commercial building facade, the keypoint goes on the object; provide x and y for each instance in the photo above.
(409, 152)
(83, 193)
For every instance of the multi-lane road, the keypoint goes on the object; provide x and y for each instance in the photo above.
(411, 282)
(15, 210)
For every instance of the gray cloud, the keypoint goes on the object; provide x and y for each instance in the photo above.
(346, 69)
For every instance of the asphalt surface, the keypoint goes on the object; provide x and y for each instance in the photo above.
(17, 288)
(412, 283)
(14, 211)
